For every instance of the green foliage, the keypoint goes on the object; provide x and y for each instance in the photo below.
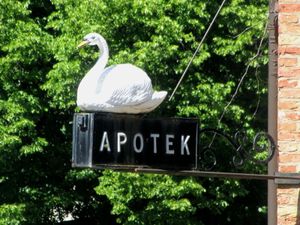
(11, 214)
(150, 199)
(41, 69)
(160, 199)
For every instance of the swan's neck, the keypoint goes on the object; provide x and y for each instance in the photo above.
(103, 58)
(92, 81)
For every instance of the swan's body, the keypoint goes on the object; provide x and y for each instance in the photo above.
(122, 88)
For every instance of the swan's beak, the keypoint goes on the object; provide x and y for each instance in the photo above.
(83, 43)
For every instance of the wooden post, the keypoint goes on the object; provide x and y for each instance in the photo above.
(272, 107)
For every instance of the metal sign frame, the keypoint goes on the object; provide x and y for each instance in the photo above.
(105, 140)
(161, 145)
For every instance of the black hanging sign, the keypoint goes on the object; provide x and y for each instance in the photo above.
(105, 140)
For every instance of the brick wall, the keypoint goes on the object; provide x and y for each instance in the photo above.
(288, 134)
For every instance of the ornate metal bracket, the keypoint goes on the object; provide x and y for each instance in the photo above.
(260, 150)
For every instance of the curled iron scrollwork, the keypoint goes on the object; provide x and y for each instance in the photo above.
(260, 150)
(264, 137)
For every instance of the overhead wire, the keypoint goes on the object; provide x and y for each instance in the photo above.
(258, 52)
(243, 76)
(198, 48)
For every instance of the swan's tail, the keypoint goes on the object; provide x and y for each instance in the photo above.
(159, 96)
(151, 104)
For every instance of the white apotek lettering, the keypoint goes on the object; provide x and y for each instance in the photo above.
(140, 137)
(154, 136)
(104, 142)
(184, 146)
(121, 140)
(169, 144)
(138, 142)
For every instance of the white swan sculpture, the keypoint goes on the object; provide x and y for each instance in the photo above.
(122, 88)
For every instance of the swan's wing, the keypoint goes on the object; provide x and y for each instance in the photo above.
(125, 85)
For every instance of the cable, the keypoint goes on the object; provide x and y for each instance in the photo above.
(258, 52)
(198, 48)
